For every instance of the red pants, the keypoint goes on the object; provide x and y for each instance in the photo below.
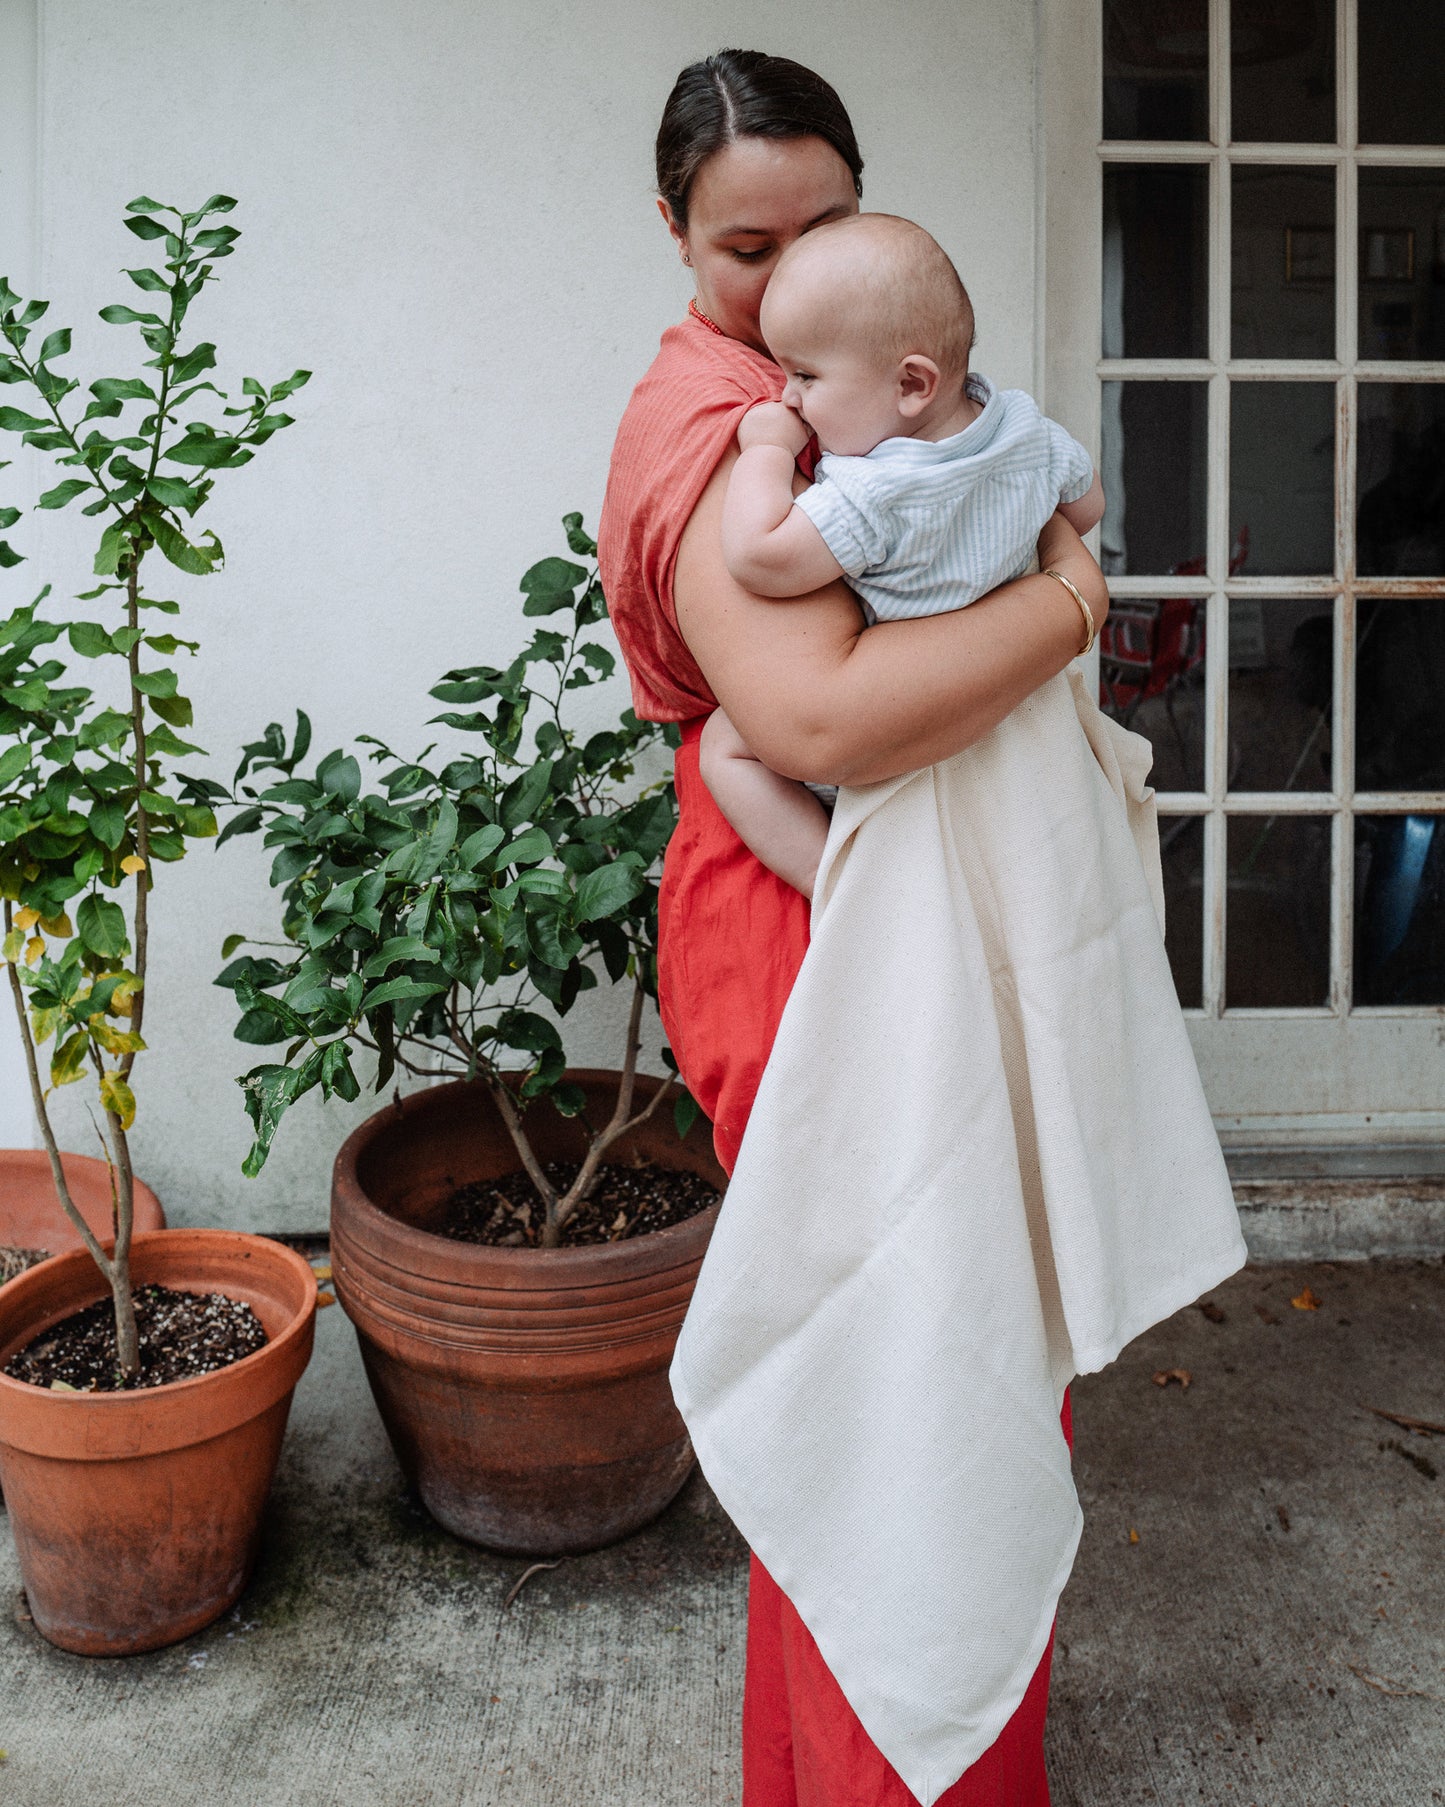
(732, 937)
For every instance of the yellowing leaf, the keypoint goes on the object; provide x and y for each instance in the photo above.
(1133, 1535)
(34, 948)
(14, 945)
(26, 919)
(325, 1299)
(132, 863)
(68, 1062)
(118, 1098)
(122, 999)
(1306, 1301)
(59, 926)
(113, 1040)
(43, 1025)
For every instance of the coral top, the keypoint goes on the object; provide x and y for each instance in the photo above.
(682, 418)
(731, 934)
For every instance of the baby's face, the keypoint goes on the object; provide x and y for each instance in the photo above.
(847, 397)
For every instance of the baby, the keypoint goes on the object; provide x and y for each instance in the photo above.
(932, 489)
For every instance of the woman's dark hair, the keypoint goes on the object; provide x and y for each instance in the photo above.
(744, 94)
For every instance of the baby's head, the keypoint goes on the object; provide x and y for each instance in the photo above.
(869, 322)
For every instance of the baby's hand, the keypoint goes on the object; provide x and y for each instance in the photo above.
(773, 423)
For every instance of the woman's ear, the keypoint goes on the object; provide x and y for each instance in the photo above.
(679, 233)
(918, 380)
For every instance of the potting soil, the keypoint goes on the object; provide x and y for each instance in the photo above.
(625, 1201)
(181, 1335)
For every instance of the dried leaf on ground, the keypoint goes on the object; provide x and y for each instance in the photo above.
(1306, 1301)
(1266, 1314)
(1165, 1375)
(1423, 1427)
(1133, 1535)
(1215, 1313)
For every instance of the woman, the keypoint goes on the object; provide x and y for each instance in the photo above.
(754, 151)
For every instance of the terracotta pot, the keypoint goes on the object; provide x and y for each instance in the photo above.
(525, 1390)
(30, 1213)
(136, 1515)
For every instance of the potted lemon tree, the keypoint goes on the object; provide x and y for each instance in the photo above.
(145, 1377)
(517, 1244)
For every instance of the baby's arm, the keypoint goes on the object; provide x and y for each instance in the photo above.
(1088, 510)
(772, 548)
(781, 821)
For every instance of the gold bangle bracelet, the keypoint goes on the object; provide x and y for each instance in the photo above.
(1090, 631)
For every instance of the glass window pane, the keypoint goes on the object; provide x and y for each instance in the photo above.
(1277, 920)
(1156, 272)
(1399, 910)
(1152, 462)
(1156, 69)
(1282, 297)
(1181, 849)
(1402, 263)
(1282, 71)
(1151, 678)
(1401, 518)
(1402, 52)
(1399, 694)
(1281, 681)
(1282, 478)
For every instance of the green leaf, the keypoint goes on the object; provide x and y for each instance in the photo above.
(199, 561)
(64, 492)
(176, 710)
(155, 683)
(56, 345)
(101, 926)
(339, 776)
(107, 822)
(209, 451)
(398, 947)
(113, 543)
(172, 492)
(9, 516)
(269, 1092)
(685, 1112)
(67, 1064)
(230, 944)
(188, 368)
(89, 639)
(122, 389)
(150, 280)
(9, 557)
(116, 315)
(216, 204)
(395, 991)
(336, 1073)
(144, 204)
(605, 891)
(13, 762)
(527, 849)
(581, 543)
(144, 228)
(14, 421)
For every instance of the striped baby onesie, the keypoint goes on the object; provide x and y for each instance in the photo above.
(923, 526)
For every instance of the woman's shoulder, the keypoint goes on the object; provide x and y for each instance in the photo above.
(696, 374)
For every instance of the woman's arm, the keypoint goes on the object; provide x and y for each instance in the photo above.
(817, 697)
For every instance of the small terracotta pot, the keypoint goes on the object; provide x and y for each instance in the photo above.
(525, 1390)
(136, 1515)
(31, 1216)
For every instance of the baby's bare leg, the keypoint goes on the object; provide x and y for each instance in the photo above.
(781, 821)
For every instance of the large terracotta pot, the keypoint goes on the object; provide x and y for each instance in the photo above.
(30, 1213)
(136, 1515)
(525, 1390)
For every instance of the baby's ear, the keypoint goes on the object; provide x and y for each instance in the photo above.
(918, 380)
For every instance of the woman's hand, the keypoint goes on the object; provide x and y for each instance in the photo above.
(817, 697)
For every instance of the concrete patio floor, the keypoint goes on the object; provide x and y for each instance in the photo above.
(1275, 1637)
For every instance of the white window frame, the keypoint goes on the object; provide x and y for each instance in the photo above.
(1273, 1075)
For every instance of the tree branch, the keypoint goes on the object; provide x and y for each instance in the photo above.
(37, 1095)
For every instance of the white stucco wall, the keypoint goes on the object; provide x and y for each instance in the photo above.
(447, 215)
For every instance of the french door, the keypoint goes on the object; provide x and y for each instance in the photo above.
(1245, 300)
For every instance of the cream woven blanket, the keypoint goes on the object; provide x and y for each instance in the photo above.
(980, 1162)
